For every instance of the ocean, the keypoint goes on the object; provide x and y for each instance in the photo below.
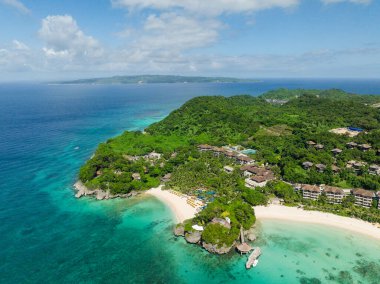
(47, 236)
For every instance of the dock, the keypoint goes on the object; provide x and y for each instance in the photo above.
(253, 257)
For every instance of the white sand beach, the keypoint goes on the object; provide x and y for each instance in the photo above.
(181, 209)
(299, 215)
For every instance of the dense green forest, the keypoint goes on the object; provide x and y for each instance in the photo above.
(279, 132)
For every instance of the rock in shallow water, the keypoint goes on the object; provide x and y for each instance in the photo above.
(214, 249)
(179, 230)
(193, 237)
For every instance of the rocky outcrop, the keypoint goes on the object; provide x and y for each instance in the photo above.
(193, 237)
(215, 249)
(98, 193)
(250, 235)
(179, 230)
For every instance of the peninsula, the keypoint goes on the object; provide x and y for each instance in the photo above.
(218, 158)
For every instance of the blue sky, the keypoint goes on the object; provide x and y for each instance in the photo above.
(49, 40)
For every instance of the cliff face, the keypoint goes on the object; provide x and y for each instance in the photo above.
(99, 194)
(218, 250)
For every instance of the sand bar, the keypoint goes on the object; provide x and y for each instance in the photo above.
(299, 215)
(181, 209)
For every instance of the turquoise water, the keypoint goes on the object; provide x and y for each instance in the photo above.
(47, 236)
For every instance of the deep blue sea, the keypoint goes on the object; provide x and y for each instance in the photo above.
(47, 236)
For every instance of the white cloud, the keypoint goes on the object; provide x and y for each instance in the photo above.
(175, 32)
(17, 5)
(211, 7)
(351, 1)
(64, 39)
(18, 45)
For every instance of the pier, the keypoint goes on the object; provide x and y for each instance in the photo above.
(252, 259)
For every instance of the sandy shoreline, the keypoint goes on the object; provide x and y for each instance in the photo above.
(181, 209)
(299, 215)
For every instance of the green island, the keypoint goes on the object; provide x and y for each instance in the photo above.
(305, 148)
(154, 79)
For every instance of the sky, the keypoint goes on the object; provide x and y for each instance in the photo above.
(43, 40)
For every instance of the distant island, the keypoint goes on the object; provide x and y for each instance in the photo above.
(154, 79)
(221, 156)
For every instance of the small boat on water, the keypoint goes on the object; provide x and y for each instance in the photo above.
(253, 258)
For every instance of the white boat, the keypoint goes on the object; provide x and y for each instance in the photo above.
(255, 262)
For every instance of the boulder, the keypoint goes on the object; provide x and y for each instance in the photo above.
(215, 249)
(179, 230)
(250, 234)
(193, 237)
(100, 195)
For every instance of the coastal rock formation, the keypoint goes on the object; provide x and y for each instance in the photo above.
(215, 249)
(250, 234)
(179, 230)
(98, 193)
(193, 237)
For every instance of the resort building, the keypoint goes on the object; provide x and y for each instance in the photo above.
(166, 177)
(228, 169)
(334, 195)
(311, 143)
(204, 147)
(307, 165)
(218, 151)
(244, 160)
(251, 170)
(257, 177)
(310, 191)
(365, 147)
(374, 170)
(154, 156)
(355, 165)
(136, 176)
(363, 197)
(351, 145)
(320, 167)
(335, 169)
(336, 151)
(319, 146)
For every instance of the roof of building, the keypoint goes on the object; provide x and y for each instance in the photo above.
(307, 164)
(204, 146)
(336, 150)
(259, 179)
(364, 192)
(244, 247)
(352, 144)
(333, 189)
(335, 168)
(244, 158)
(319, 146)
(311, 142)
(228, 168)
(309, 187)
(320, 166)
(365, 146)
